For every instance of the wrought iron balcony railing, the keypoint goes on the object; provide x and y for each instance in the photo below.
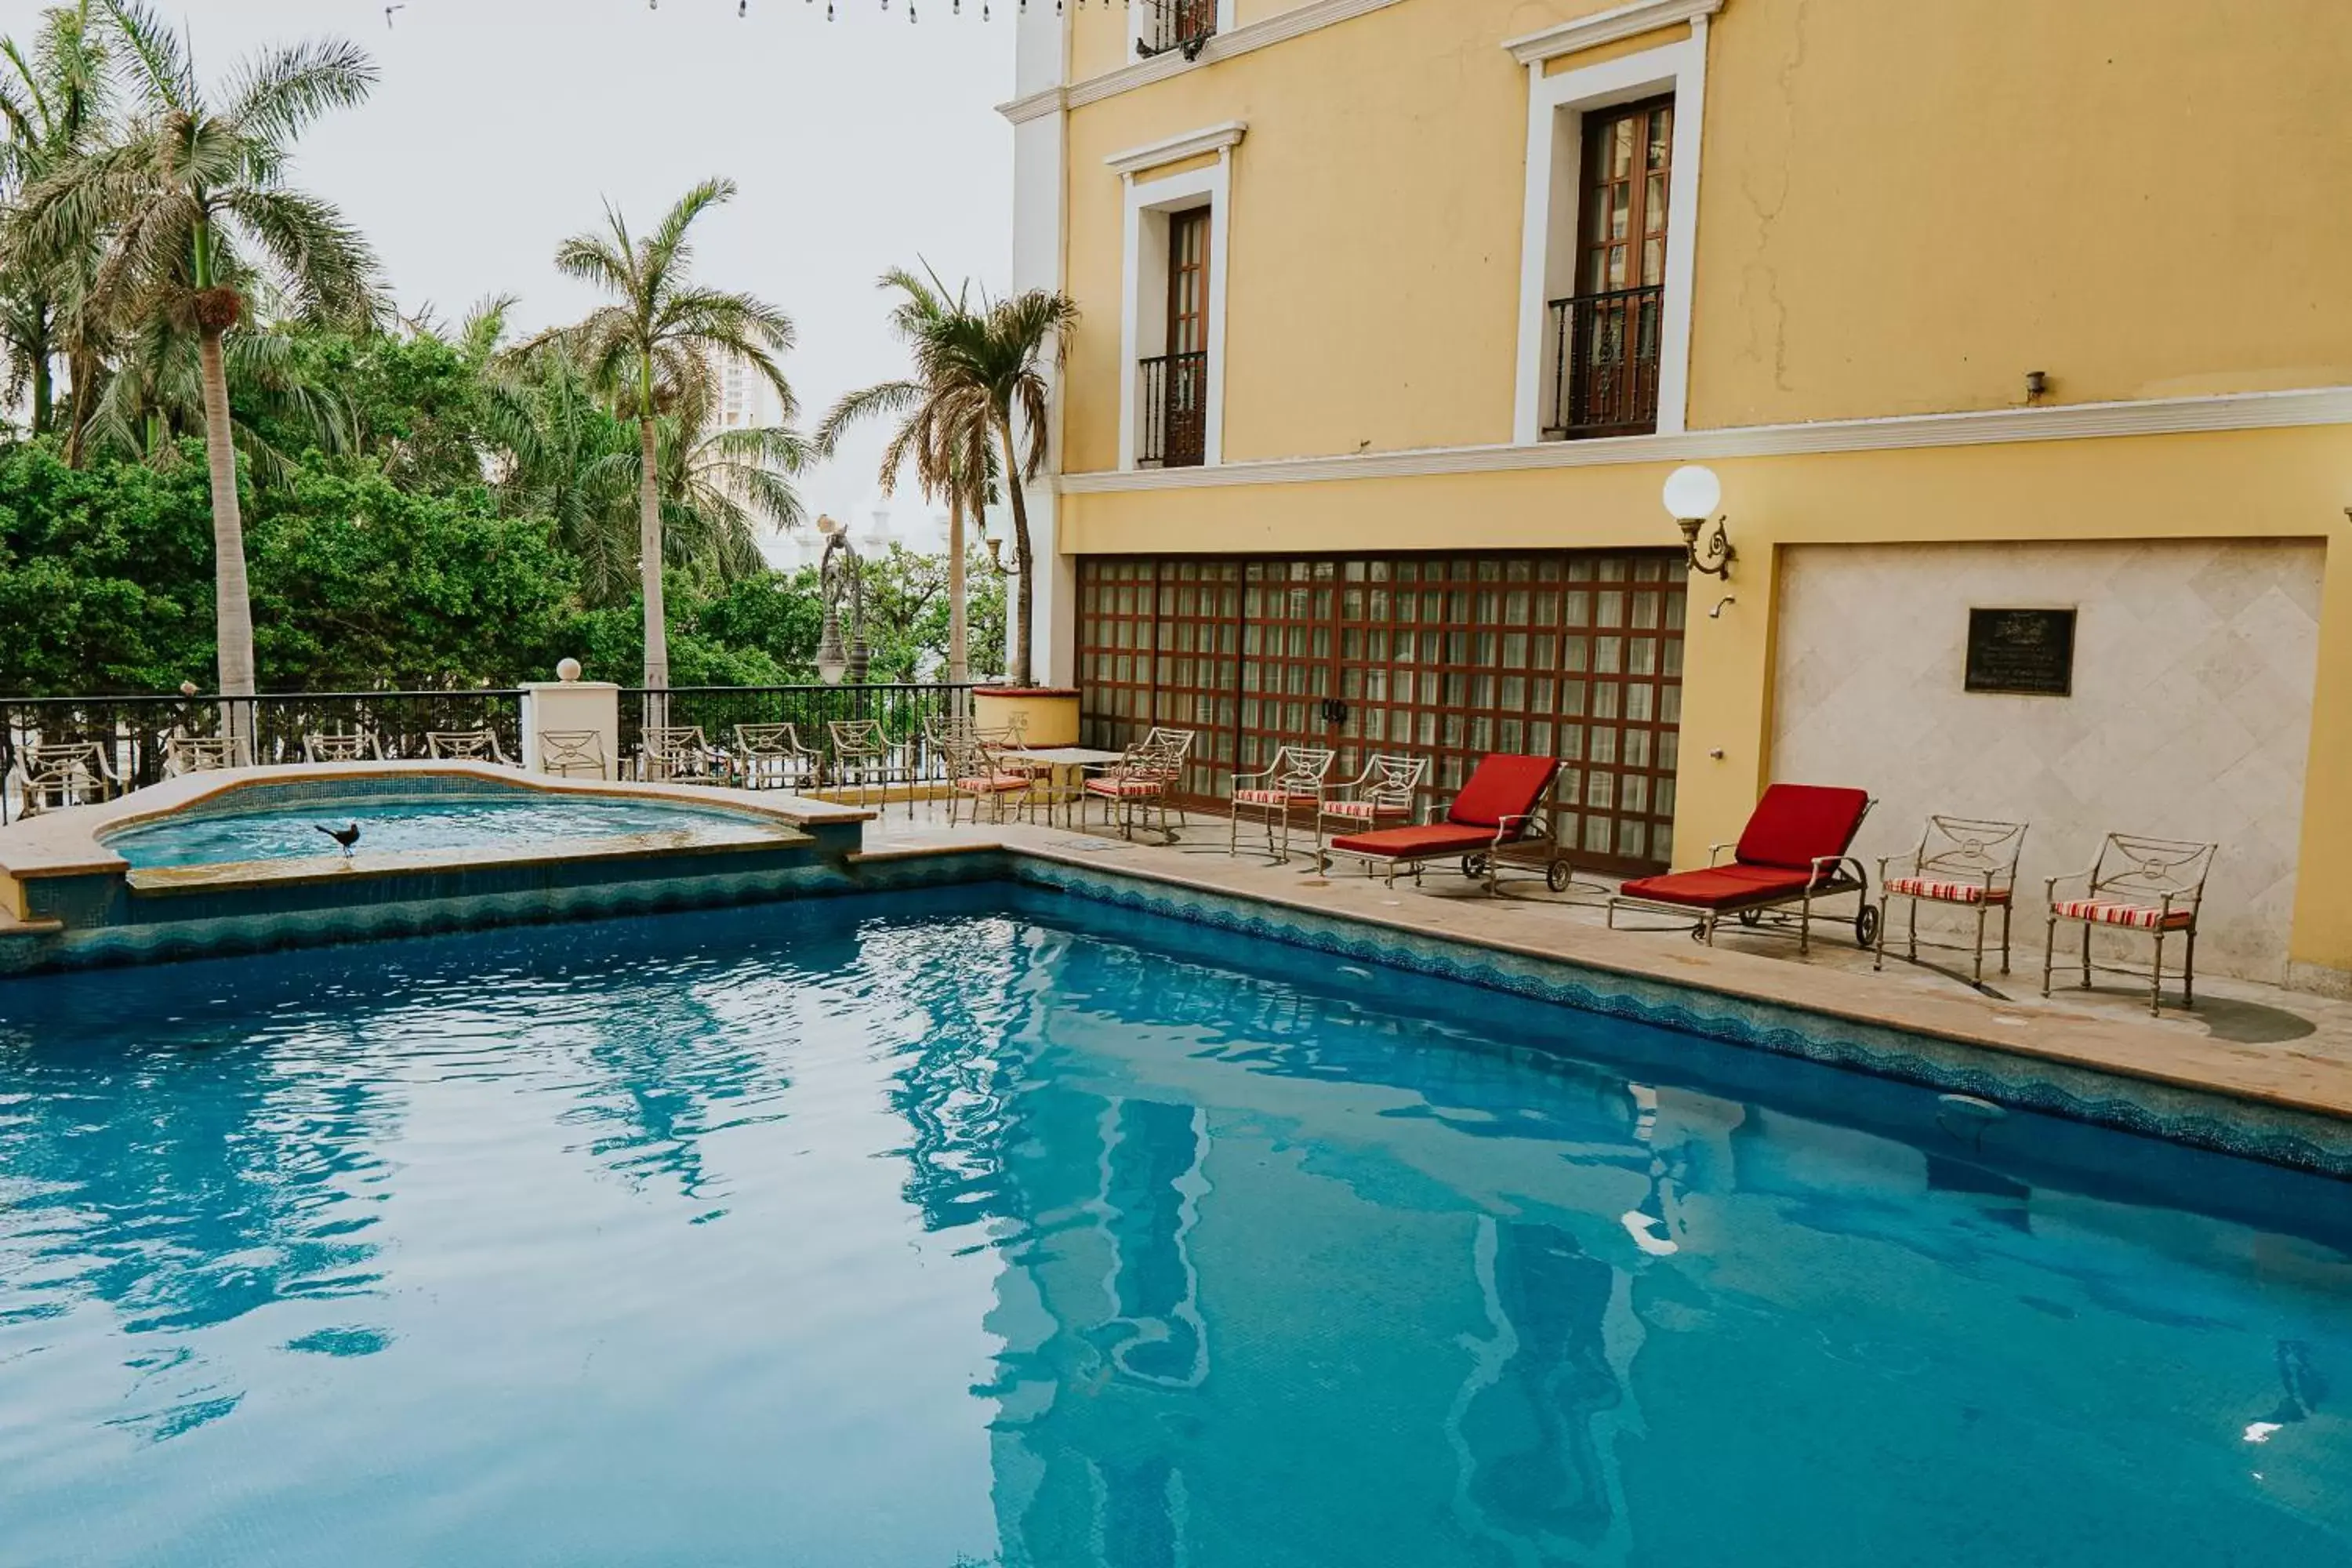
(1606, 364)
(1185, 24)
(1174, 429)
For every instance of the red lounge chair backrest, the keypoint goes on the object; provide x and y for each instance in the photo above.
(1502, 785)
(1794, 823)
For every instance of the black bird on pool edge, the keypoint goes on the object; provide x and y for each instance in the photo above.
(346, 837)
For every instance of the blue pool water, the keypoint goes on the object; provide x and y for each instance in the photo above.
(989, 1229)
(426, 822)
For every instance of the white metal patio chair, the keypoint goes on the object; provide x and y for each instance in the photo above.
(59, 773)
(570, 753)
(1383, 795)
(771, 756)
(185, 754)
(2156, 886)
(677, 755)
(1274, 795)
(978, 771)
(465, 746)
(866, 759)
(1962, 863)
(342, 746)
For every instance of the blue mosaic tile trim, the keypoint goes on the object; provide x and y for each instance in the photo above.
(220, 925)
(2277, 1135)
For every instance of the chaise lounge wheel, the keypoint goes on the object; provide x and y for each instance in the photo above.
(1558, 875)
(1865, 927)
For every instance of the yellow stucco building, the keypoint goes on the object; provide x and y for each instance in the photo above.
(1397, 313)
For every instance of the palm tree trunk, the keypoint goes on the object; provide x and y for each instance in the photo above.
(78, 377)
(1021, 667)
(649, 566)
(958, 651)
(43, 388)
(232, 599)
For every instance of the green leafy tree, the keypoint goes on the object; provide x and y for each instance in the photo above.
(654, 347)
(54, 99)
(103, 587)
(364, 584)
(193, 200)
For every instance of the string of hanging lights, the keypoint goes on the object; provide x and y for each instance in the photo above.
(743, 7)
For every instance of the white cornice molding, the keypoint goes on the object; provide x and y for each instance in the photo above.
(1037, 106)
(1607, 28)
(2073, 422)
(1277, 29)
(1176, 149)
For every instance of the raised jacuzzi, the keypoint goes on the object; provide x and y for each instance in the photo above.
(286, 821)
(232, 861)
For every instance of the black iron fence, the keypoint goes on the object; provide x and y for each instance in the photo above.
(909, 714)
(1606, 364)
(133, 733)
(1186, 24)
(1175, 411)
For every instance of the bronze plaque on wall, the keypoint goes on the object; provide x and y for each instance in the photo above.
(2025, 653)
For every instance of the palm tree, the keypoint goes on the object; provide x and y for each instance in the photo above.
(655, 347)
(945, 432)
(54, 101)
(193, 199)
(995, 362)
(719, 486)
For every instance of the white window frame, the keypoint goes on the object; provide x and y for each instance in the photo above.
(1139, 18)
(1555, 162)
(1149, 202)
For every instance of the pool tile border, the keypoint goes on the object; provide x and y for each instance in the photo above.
(2274, 1135)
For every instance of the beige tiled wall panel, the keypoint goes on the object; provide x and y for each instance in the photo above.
(2191, 717)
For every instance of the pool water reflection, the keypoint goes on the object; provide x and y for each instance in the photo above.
(991, 1228)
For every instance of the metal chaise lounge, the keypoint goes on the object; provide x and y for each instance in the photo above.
(1794, 853)
(184, 754)
(1502, 814)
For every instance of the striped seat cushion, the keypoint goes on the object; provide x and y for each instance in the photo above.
(1270, 798)
(2101, 912)
(996, 785)
(1946, 892)
(1123, 787)
(1362, 810)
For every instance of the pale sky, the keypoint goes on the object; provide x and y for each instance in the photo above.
(502, 126)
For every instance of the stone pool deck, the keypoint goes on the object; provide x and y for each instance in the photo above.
(2249, 1041)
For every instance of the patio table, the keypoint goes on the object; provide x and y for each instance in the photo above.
(1059, 761)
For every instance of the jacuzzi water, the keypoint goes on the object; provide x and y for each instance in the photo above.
(990, 1229)
(434, 822)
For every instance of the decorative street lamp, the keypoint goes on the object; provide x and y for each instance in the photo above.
(1693, 494)
(841, 575)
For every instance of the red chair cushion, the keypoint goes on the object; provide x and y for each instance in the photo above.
(2103, 912)
(1417, 843)
(1502, 785)
(1794, 823)
(1719, 887)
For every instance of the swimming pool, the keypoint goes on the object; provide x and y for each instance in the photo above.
(994, 1226)
(249, 825)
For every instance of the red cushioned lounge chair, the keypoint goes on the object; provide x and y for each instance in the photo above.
(1793, 852)
(1503, 813)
